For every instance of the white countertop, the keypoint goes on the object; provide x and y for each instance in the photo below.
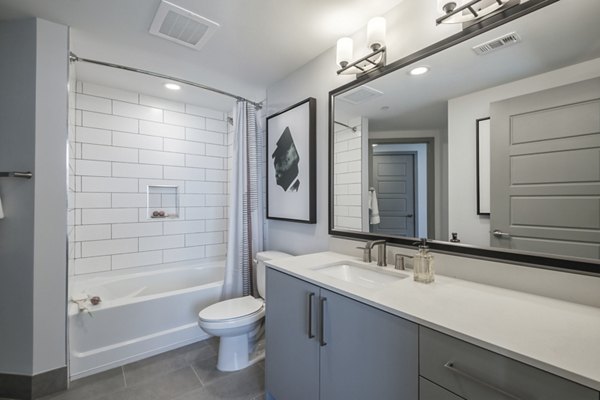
(556, 336)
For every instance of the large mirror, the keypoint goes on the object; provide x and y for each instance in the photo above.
(497, 143)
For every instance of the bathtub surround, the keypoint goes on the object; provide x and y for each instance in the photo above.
(33, 126)
(125, 142)
(247, 204)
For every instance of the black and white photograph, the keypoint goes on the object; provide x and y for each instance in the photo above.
(291, 163)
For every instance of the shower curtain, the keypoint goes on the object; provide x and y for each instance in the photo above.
(245, 225)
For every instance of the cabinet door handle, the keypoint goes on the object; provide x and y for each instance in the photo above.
(322, 322)
(310, 315)
(450, 365)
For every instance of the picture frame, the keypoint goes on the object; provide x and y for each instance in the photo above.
(291, 163)
(483, 154)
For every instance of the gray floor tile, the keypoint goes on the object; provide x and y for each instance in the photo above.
(204, 394)
(161, 364)
(214, 342)
(207, 370)
(245, 384)
(187, 373)
(165, 387)
(92, 387)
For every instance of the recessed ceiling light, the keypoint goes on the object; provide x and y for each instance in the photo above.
(419, 70)
(172, 86)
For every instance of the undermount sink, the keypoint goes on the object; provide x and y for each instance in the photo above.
(361, 274)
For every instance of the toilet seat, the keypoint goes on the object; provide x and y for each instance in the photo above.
(232, 313)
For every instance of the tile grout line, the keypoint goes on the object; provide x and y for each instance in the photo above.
(124, 378)
(197, 376)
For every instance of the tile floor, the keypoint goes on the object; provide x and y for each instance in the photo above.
(187, 373)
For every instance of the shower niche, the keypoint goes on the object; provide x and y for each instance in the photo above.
(162, 202)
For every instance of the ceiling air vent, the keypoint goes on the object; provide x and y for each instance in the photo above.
(360, 95)
(181, 26)
(498, 43)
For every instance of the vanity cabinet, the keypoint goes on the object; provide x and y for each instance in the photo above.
(325, 346)
(471, 372)
(430, 391)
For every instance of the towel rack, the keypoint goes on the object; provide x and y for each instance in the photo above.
(16, 174)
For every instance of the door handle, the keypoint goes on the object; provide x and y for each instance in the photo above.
(322, 341)
(499, 233)
(310, 314)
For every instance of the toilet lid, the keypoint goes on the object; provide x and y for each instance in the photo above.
(231, 309)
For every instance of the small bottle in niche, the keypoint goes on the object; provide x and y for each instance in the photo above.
(423, 263)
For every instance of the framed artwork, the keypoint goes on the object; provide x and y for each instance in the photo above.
(291, 163)
(483, 166)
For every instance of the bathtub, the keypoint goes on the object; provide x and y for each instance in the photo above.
(142, 313)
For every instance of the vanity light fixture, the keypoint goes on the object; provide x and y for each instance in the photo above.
(461, 11)
(172, 86)
(370, 62)
(423, 69)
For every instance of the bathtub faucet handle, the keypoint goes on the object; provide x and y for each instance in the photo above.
(95, 300)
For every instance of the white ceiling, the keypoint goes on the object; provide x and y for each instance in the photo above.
(258, 43)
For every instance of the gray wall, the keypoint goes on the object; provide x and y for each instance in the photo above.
(33, 129)
(410, 27)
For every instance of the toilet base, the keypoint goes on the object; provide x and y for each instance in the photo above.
(234, 353)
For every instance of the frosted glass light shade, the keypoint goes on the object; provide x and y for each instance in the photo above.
(344, 51)
(376, 33)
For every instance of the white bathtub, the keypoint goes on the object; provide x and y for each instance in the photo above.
(141, 314)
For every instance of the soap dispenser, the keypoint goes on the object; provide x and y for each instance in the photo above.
(423, 263)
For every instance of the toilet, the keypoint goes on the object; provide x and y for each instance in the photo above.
(238, 322)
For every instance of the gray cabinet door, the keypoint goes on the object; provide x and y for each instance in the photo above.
(292, 358)
(369, 354)
(545, 182)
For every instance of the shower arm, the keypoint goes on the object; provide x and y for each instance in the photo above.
(74, 58)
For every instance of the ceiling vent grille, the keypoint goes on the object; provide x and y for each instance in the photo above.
(498, 43)
(181, 26)
(360, 95)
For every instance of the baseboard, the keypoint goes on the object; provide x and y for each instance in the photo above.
(24, 387)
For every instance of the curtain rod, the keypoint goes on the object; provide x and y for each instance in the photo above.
(353, 128)
(73, 57)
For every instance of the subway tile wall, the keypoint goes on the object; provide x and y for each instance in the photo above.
(125, 141)
(71, 194)
(348, 177)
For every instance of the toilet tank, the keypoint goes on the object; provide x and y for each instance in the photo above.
(261, 257)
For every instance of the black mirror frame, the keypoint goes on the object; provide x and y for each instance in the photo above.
(567, 264)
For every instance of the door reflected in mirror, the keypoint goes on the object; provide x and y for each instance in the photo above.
(404, 156)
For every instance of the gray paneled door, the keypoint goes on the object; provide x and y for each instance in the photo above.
(393, 178)
(545, 180)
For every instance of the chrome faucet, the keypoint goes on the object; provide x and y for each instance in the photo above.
(381, 253)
